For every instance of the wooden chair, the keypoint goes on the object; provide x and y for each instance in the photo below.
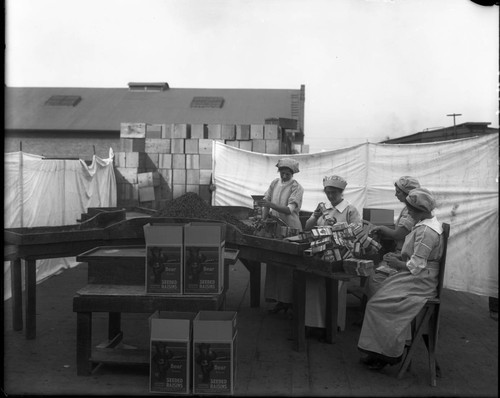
(428, 318)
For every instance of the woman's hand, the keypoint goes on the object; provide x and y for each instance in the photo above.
(265, 203)
(394, 261)
(317, 212)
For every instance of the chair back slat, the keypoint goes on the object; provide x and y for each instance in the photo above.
(442, 261)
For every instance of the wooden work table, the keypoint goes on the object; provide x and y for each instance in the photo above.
(254, 250)
(36, 243)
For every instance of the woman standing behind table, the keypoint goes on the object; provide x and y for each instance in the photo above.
(389, 313)
(283, 199)
(342, 211)
(404, 224)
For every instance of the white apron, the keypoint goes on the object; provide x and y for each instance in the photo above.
(388, 314)
(279, 280)
(315, 285)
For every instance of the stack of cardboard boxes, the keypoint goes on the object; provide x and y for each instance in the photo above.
(185, 259)
(181, 156)
(193, 352)
(189, 351)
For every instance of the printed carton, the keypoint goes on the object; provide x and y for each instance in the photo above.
(170, 352)
(164, 258)
(214, 352)
(204, 245)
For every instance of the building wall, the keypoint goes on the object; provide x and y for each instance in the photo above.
(63, 144)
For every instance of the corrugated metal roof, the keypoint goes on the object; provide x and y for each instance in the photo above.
(103, 109)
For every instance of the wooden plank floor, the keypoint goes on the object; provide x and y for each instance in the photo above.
(266, 363)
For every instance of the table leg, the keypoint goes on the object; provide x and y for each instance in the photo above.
(255, 274)
(332, 294)
(299, 310)
(30, 286)
(114, 325)
(83, 343)
(17, 294)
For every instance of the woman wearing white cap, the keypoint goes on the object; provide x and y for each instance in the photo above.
(389, 313)
(342, 211)
(404, 224)
(283, 199)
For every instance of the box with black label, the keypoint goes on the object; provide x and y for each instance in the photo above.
(379, 216)
(164, 258)
(204, 244)
(214, 352)
(170, 352)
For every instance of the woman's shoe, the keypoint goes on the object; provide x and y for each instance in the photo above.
(368, 360)
(377, 365)
(279, 307)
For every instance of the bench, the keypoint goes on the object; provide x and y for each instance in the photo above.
(116, 285)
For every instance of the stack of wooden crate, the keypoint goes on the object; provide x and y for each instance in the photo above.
(181, 155)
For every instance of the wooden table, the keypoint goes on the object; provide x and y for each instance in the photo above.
(26, 245)
(254, 250)
(54, 242)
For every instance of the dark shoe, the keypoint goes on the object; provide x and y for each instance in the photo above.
(368, 360)
(377, 365)
(280, 307)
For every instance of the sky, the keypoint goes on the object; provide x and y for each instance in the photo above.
(372, 69)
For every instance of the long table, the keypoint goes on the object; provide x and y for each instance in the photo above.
(253, 251)
(36, 243)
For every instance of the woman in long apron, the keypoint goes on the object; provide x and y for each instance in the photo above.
(404, 225)
(389, 313)
(342, 211)
(283, 200)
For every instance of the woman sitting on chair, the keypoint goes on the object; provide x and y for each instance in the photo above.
(404, 225)
(389, 313)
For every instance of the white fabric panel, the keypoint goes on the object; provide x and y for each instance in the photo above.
(462, 174)
(52, 192)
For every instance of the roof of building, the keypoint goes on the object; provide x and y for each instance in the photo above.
(104, 109)
(462, 130)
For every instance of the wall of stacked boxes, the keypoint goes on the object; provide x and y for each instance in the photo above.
(160, 162)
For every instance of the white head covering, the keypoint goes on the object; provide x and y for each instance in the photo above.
(290, 163)
(334, 181)
(407, 183)
(421, 199)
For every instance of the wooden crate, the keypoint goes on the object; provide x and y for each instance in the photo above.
(192, 162)
(214, 131)
(243, 132)
(177, 145)
(133, 130)
(199, 131)
(205, 146)
(257, 131)
(191, 146)
(157, 145)
(132, 144)
(178, 161)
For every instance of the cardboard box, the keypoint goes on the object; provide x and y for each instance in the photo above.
(150, 179)
(214, 352)
(146, 194)
(379, 216)
(170, 352)
(164, 258)
(204, 244)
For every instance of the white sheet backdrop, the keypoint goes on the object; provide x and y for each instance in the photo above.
(51, 192)
(462, 174)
